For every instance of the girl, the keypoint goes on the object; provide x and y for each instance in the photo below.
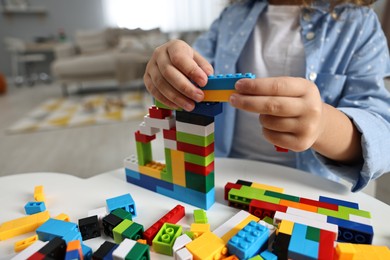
(319, 90)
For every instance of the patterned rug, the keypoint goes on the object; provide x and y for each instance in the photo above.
(59, 113)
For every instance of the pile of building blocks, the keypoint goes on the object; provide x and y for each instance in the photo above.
(188, 172)
(286, 234)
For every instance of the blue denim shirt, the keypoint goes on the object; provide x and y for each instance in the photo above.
(346, 57)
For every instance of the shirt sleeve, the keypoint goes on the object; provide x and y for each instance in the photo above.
(366, 102)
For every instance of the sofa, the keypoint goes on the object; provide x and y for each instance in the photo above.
(109, 54)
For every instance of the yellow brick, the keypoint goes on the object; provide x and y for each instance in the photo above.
(22, 225)
(39, 195)
(217, 95)
(178, 168)
(23, 244)
(207, 247)
(63, 217)
(237, 228)
(152, 169)
(286, 227)
(199, 228)
(267, 187)
(345, 251)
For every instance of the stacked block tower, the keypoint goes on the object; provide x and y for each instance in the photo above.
(188, 172)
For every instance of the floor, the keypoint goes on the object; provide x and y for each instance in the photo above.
(82, 151)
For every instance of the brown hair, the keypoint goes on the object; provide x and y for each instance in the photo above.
(333, 2)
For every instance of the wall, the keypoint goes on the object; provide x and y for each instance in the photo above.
(71, 15)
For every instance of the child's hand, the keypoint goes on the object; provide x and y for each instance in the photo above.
(170, 71)
(291, 110)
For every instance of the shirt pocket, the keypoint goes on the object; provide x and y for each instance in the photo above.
(331, 87)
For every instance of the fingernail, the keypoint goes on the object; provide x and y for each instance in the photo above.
(233, 99)
(198, 97)
(188, 107)
(238, 85)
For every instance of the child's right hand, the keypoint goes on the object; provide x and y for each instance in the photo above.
(169, 73)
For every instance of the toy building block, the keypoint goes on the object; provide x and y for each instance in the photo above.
(195, 129)
(220, 87)
(200, 216)
(191, 118)
(125, 202)
(232, 226)
(104, 251)
(264, 209)
(300, 247)
(119, 229)
(23, 244)
(183, 254)
(130, 249)
(199, 228)
(143, 138)
(53, 228)
(326, 242)
(267, 255)
(352, 231)
(173, 216)
(100, 213)
(165, 238)
(39, 194)
(55, 249)
(63, 217)
(29, 251)
(249, 241)
(87, 251)
(348, 204)
(147, 131)
(22, 225)
(159, 113)
(207, 246)
(180, 242)
(358, 251)
(210, 109)
(109, 223)
(123, 214)
(89, 227)
(166, 123)
(74, 250)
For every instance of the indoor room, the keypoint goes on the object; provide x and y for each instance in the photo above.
(78, 109)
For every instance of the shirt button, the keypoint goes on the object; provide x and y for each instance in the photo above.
(313, 76)
(306, 17)
(310, 36)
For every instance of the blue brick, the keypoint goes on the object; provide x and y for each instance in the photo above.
(211, 109)
(125, 202)
(249, 241)
(352, 232)
(34, 207)
(57, 228)
(193, 197)
(225, 82)
(300, 247)
(267, 255)
(87, 252)
(72, 255)
(148, 182)
(345, 203)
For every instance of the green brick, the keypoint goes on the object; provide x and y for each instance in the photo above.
(333, 213)
(139, 252)
(134, 231)
(245, 194)
(313, 234)
(281, 196)
(198, 159)
(144, 153)
(123, 214)
(199, 182)
(118, 230)
(195, 139)
(256, 257)
(268, 220)
(357, 212)
(200, 216)
(163, 241)
(166, 174)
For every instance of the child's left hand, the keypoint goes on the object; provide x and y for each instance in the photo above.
(291, 110)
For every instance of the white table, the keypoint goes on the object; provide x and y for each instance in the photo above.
(75, 196)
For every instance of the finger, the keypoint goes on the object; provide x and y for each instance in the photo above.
(156, 93)
(186, 60)
(178, 80)
(204, 65)
(287, 140)
(279, 86)
(268, 105)
(158, 82)
(280, 124)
